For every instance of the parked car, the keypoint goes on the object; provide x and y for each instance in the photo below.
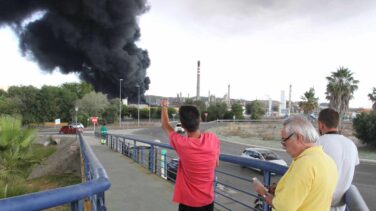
(128, 149)
(77, 125)
(172, 169)
(263, 154)
(179, 128)
(69, 130)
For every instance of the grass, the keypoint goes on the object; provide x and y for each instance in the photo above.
(364, 152)
(18, 185)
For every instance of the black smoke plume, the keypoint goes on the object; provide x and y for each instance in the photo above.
(95, 38)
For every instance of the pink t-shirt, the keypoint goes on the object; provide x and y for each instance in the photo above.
(197, 161)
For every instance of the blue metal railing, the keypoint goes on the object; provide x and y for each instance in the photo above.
(234, 195)
(232, 191)
(93, 189)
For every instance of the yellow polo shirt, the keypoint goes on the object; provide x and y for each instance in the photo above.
(308, 184)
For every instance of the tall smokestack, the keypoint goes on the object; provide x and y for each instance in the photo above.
(228, 96)
(198, 81)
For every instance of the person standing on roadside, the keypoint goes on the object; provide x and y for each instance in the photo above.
(342, 150)
(103, 133)
(198, 157)
(310, 180)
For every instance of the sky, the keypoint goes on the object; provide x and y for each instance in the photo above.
(258, 47)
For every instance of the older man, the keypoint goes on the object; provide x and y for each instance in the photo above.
(310, 181)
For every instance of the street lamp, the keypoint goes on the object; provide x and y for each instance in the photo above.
(138, 105)
(149, 110)
(120, 104)
(76, 109)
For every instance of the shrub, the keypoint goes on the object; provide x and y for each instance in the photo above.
(365, 127)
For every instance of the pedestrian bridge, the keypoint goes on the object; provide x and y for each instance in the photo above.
(133, 174)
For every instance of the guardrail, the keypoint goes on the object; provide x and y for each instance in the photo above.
(91, 191)
(233, 192)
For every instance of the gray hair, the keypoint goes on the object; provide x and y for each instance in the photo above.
(300, 125)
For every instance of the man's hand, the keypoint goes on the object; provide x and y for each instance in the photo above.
(259, 187)
(269, 198)
(164, 117)
(164, 103)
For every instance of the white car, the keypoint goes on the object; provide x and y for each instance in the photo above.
(77, 125)
(263, 154)
(179, 128)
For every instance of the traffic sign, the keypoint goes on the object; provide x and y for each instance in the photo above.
(94, 119)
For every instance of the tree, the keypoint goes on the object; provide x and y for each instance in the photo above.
(216, 111)
(8, 106)
(79, 89)
(309, 102)
(26, 99)
(372, 97)
(111, 112)
(340, 89)
(256, 109)
(237, 110)
(92, 104)
(365, 127)
(15, 142)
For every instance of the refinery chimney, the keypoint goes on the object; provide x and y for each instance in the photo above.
(228, 97)
(198, 81)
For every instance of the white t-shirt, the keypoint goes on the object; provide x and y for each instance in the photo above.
(345, 154)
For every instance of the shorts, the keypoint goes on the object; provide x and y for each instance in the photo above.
(209, 207)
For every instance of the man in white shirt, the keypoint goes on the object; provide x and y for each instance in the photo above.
(342, 150)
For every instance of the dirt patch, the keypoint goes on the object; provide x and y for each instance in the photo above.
(66, 159)
(267, 130)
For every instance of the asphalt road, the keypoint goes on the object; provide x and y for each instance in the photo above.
(365, 172)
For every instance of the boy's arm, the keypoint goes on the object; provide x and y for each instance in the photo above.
(164, 117)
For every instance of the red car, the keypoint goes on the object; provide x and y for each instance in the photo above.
(69, 130)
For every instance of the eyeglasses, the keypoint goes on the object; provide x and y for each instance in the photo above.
(283, 141)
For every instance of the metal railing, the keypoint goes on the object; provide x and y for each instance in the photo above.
(233, 192)
(89, 195)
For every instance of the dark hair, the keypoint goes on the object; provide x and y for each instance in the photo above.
(329, 117)
(189, 117)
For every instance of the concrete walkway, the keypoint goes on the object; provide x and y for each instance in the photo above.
(133, 187)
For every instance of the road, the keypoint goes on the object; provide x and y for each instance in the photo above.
(364, 179)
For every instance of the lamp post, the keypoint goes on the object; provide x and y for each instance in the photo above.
(149, 110)
(120, 103)
(76, 109)
(138, 105)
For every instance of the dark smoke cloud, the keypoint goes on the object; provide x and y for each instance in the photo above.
(95, 38)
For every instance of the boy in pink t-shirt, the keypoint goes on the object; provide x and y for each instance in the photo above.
(198, 157)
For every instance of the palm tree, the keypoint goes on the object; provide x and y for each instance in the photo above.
(372, 97)
(15, 143)
(309, 102)
(340, 89)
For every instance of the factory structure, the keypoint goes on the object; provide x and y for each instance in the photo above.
(272, 108)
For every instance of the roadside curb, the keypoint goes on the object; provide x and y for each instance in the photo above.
(281, 150)
(367, 161)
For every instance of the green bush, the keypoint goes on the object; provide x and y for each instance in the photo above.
(365, 127)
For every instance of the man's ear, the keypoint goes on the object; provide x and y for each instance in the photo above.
(299, 138)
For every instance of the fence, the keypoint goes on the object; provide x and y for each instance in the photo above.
(233, 192)
(89, 194)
